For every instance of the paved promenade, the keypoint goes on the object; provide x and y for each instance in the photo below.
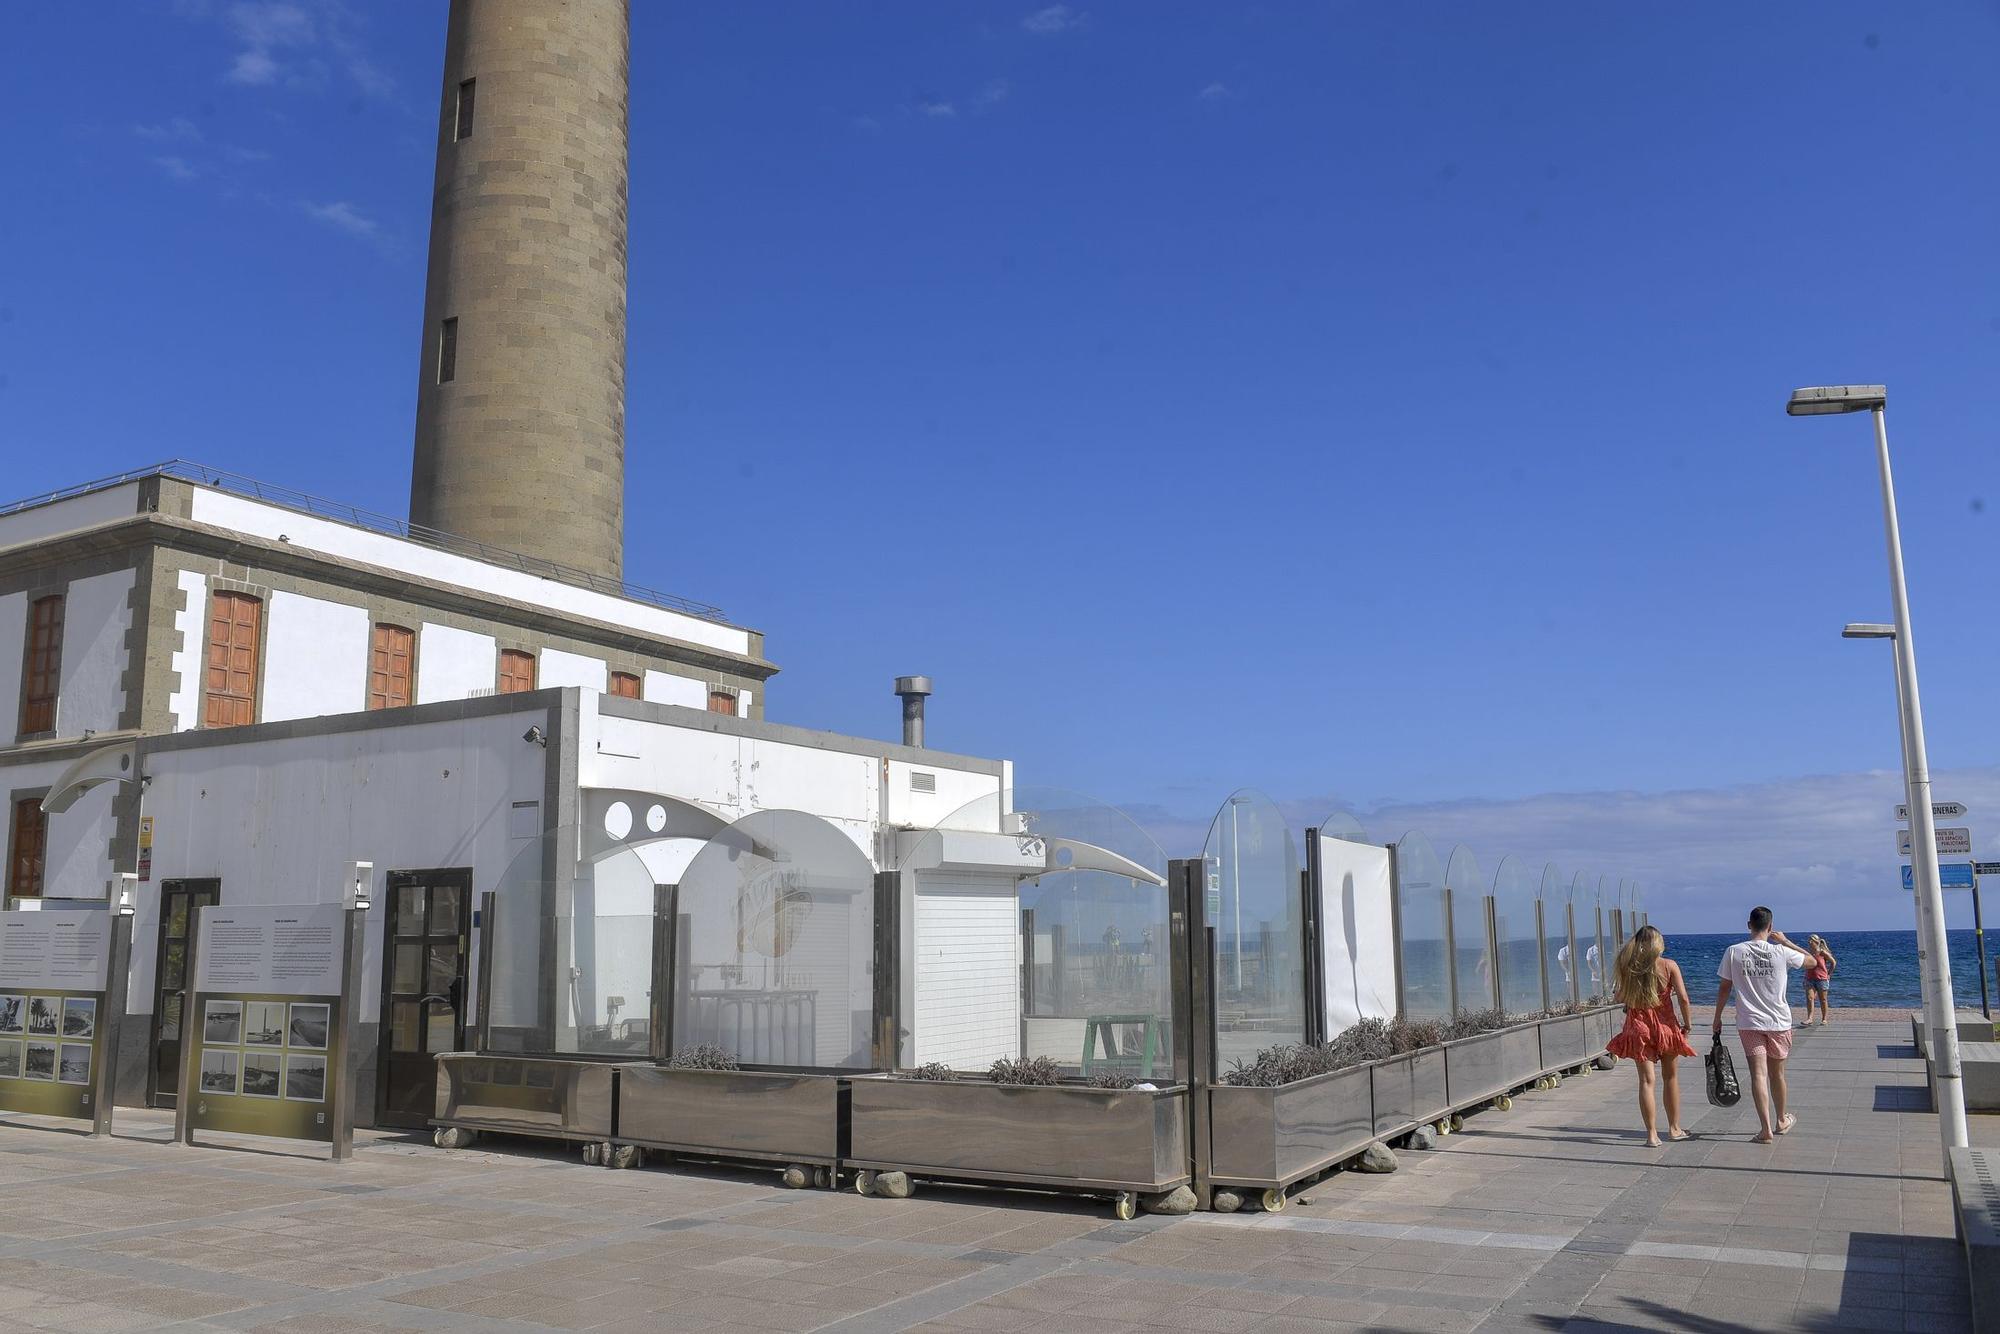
(1553, 1216)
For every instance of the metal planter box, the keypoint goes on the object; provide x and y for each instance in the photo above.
(1482, 1067)
(1408, 1090)
(793, 1118)
(1565, 1042)
(1601, 1025)
(1060, 1136)
(525, 1095)
(1271, 1137)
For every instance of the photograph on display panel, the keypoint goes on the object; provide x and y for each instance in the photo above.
(263, 1023)
(41, 1061)
(13, 1014)
(79, 1017)
(44, 1015)
(305, 1078)
(75, 1063)
(218, 1072)
(309, 1026)
(262, 1075)
(222, 1023)
(10, 1060)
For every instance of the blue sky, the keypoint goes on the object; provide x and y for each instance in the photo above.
(1378, 405)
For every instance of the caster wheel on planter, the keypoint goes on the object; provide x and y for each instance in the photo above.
(593, 1155)
(1504, 1103)
(1457, 1123)
(1125, 1206)
(864, 1183)
(1442, 1128)
(1274, 1201)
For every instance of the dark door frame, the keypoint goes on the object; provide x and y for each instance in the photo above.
(190, 885)
(459, 877)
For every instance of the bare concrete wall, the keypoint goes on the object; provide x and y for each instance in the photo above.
(524, 448)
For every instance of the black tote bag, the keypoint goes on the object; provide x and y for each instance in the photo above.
(1723, 1090)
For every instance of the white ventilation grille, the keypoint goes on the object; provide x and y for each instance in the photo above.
(922, 782)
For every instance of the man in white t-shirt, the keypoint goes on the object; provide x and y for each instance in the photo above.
(1755, 972)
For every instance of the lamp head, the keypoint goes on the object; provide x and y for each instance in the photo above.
(1819, 400)
(1868, 630)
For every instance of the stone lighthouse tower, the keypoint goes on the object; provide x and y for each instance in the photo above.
(520, 438)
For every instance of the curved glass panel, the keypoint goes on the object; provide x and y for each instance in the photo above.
(775, 943)
(572, 942)
(1423, 929)
(1589, 935)
(1558, 949)
(1342, 825)
(1472, 966)
(1519, 946)
(1091, 954)
(1609, 920)
(1251, 879)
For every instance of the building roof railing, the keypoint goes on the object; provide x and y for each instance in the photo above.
(318, 507)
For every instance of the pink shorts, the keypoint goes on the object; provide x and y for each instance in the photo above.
(1773, 1045)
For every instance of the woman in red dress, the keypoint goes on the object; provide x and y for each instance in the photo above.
(1650, 983)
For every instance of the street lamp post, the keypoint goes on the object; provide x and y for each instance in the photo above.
(1932, 959)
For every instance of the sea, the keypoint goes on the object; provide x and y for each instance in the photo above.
(1878, 969)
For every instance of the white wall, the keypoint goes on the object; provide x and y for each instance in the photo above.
(76, 860)
(957, 789)
(338, 539)
(315, 658)
(454, 664)
(66, 516)
(667, 688)
(188, 662)
(96, 614)
(558, 668)
(279, 820)
(13, 647)
(1358, 933)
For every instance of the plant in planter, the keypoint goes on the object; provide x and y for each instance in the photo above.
(1111, 1079)
(1471, 1023)
(936, 1071)
(1030, 1070)
(1409, 1035)
(701, 1056)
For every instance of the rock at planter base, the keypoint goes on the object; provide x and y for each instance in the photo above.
(1376, 1159)
(1179, 1200)
(893, 1185)
(797, 1177)
(1423, 1138)
(1226, 1202)
(1606, 1061)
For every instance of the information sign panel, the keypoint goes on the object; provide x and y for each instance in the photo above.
(53, 968)
(1951, 875)
(1951, 842)
(267, 1030)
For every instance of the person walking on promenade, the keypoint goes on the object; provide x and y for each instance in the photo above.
(1650, 984)
(1753, 971)
(1819, 978)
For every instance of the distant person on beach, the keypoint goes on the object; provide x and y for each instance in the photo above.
(1754, 971)
(1650, 984)
(1819, 977)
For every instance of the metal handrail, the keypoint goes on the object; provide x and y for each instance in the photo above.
(319, 507)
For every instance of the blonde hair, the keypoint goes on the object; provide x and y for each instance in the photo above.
(1636, 974)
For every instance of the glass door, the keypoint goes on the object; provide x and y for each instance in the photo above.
(178, 900)
(424, 952)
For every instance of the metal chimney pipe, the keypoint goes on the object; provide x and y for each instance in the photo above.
(913, 689)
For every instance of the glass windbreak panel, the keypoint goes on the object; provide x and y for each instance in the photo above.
(1250, 873)
(775, 941)
(1471, 964)
(1558, 950)
(572, 950)
(1519, 947)
(1087, 980)
(1343, 825)
(1422, 929)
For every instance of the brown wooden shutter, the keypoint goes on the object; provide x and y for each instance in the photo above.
(30, 838)
(231, 696)
(721, 701)
(391, 658)
(42, 672)
(625, 685)
(517, 671)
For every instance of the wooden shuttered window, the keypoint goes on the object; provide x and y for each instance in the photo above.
(230, 696)
(625, 685)
(721, 701)
(517, 671)
(25, 845)
(392, 652)
(42, 670)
